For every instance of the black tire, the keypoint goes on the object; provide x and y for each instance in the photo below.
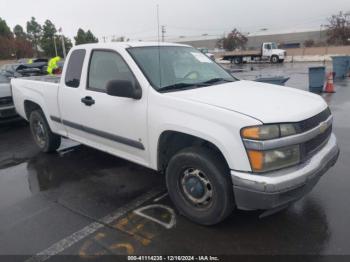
(215, 170)
(275, 59)
(237, 60)
(47, 141)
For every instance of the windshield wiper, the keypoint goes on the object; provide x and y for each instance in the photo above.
(181, 86)
(216, 80)
(184, 86)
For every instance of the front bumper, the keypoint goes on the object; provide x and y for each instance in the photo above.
(279, 188)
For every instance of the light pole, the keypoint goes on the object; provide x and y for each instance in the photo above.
(163, 32)
(63, 44)
(321, 26)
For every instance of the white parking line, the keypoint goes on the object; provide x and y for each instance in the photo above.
(69, 241)
(160, 198)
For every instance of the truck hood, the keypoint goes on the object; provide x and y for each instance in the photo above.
(279, 51)
(5, 89)
(265, 102)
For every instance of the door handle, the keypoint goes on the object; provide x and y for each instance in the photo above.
(88, 101)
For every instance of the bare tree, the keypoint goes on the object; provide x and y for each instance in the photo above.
(234, 40)
(338, 30)
(309, 43)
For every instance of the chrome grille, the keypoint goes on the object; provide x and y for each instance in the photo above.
(314, 121)
(309, 148)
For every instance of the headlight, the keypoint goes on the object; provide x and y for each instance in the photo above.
(267, 132)
(263, 161)
(287, 130)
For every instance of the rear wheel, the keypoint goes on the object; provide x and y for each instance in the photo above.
(237, 60)
(200, 186)
(42, 134)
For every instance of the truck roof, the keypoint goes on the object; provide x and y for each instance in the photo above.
(127, 44)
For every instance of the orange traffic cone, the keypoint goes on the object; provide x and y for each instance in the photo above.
(330, 83)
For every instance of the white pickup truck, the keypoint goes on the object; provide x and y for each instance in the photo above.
(223, 144)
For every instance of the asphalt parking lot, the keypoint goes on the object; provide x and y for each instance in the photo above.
(83, 202)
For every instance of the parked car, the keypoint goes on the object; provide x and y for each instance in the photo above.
(7, 72)
(7, 109)
(223, 144)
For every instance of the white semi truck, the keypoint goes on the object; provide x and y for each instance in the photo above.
(268, 52)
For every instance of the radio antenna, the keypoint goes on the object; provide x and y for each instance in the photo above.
(160, 70)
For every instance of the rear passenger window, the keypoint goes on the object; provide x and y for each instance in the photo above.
(106, 66)
(74, 68)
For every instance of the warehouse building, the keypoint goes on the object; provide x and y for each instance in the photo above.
(285, 40)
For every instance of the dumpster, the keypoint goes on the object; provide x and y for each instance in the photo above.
(340, 66)
(317, 77)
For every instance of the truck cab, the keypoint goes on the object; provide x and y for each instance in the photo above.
(270, 51)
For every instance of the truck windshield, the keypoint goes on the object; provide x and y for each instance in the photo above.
(273, 46)
(173, 68)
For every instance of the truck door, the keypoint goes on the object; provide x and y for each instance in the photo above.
(267, 50)
(113, 124)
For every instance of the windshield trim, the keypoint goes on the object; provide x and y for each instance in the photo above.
(159, 90)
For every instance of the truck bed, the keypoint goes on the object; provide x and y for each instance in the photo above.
(239, 53)
(42, 90)
(48, 78)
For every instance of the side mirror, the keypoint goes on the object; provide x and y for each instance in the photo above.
(123, 88)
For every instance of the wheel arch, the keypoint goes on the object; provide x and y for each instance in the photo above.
(170, 142)
(30, 106)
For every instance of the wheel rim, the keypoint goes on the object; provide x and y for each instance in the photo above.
(196, 187)
(39, 132)
(274, 59)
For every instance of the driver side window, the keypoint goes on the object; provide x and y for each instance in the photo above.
(268, 46)
(106, 66)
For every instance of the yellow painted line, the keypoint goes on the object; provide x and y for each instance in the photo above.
(69, 241)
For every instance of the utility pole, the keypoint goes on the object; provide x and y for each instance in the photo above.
(163, 32)
(158, 29)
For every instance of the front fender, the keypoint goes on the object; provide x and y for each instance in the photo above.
(218, 126)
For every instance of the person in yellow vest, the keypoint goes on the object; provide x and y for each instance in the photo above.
(52, 65)
(30, 61)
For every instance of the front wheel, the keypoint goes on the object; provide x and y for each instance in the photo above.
(200, 186)
(275, 59)
(44, 138)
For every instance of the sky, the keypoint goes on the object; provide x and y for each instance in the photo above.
(137, 19)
